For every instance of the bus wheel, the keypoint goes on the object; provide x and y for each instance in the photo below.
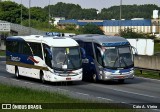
(17, 72)
(121, 81)
(42, 77)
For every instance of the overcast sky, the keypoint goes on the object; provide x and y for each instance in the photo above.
(98, 4)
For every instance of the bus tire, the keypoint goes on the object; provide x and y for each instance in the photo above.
(42, 77)
(121, 81)
(17, 72)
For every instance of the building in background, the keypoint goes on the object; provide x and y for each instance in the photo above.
(112, 27)
(156, 22)
(54, 21)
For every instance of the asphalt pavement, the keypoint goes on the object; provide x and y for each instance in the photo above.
(137, 90)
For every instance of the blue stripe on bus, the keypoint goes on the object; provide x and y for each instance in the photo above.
(15, 57)
(14, 39)
(120, 71)
(115, 44)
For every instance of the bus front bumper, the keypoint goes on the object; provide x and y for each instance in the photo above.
(64, 77)
(117, 76)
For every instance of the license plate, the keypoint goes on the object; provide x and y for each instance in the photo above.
(68, 78)
(120, 77)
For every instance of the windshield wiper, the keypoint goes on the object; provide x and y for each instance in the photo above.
(122, 58)
(115, 61)
(64, 59)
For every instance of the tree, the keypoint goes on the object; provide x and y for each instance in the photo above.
(61, 9)
(39, 14)
(128, 11)
(91, 29)
(129, 33)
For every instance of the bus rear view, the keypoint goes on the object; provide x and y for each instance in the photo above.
(107, 57)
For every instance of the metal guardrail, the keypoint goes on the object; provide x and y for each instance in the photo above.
(23, 30)
(144, 69)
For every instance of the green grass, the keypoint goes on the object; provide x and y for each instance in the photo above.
(2, 53)
(157, 47)
(148, 74)
(11, 94)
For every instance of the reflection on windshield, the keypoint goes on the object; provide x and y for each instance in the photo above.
(118, 57)
(66, 56)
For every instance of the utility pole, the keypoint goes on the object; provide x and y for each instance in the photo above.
(29, 17)
(120, 10)
(49, 11)
(21, 12)
(120, 14)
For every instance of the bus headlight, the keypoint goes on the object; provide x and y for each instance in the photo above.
(56, 73)
(107, 73)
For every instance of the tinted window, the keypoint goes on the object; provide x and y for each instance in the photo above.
(36, 49)
(47, 55)
(98, 54)
(13, 46)
(89, 49)
(25, 48)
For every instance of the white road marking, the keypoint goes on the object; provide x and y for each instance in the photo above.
(82, 94)
(3, 77)
(148, 78)
(104, 98)
(125, 91)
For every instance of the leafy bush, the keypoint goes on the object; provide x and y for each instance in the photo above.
(70, 27)
(91, 29)
(130, 33)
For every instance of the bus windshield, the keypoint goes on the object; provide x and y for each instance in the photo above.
(70, 57)
(118, 57)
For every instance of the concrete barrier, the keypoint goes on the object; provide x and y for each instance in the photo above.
(147, 62)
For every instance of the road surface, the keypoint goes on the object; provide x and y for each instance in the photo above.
(138, 90)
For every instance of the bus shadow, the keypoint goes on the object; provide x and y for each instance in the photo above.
(38, 81)
(126, 82)
(75, 83)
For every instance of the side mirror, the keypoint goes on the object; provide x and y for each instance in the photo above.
(83, 52)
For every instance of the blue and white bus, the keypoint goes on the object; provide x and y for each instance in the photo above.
(107, 57)
(46, 58)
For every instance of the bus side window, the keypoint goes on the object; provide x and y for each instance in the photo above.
(47, 55)
(13, 46)
(36, 48)
(89, 49)
(98, 54)
(26, 48)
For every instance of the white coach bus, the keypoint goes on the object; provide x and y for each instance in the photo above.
(47, 58)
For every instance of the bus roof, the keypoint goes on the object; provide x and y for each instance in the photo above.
(103, 40)
(49, 40)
